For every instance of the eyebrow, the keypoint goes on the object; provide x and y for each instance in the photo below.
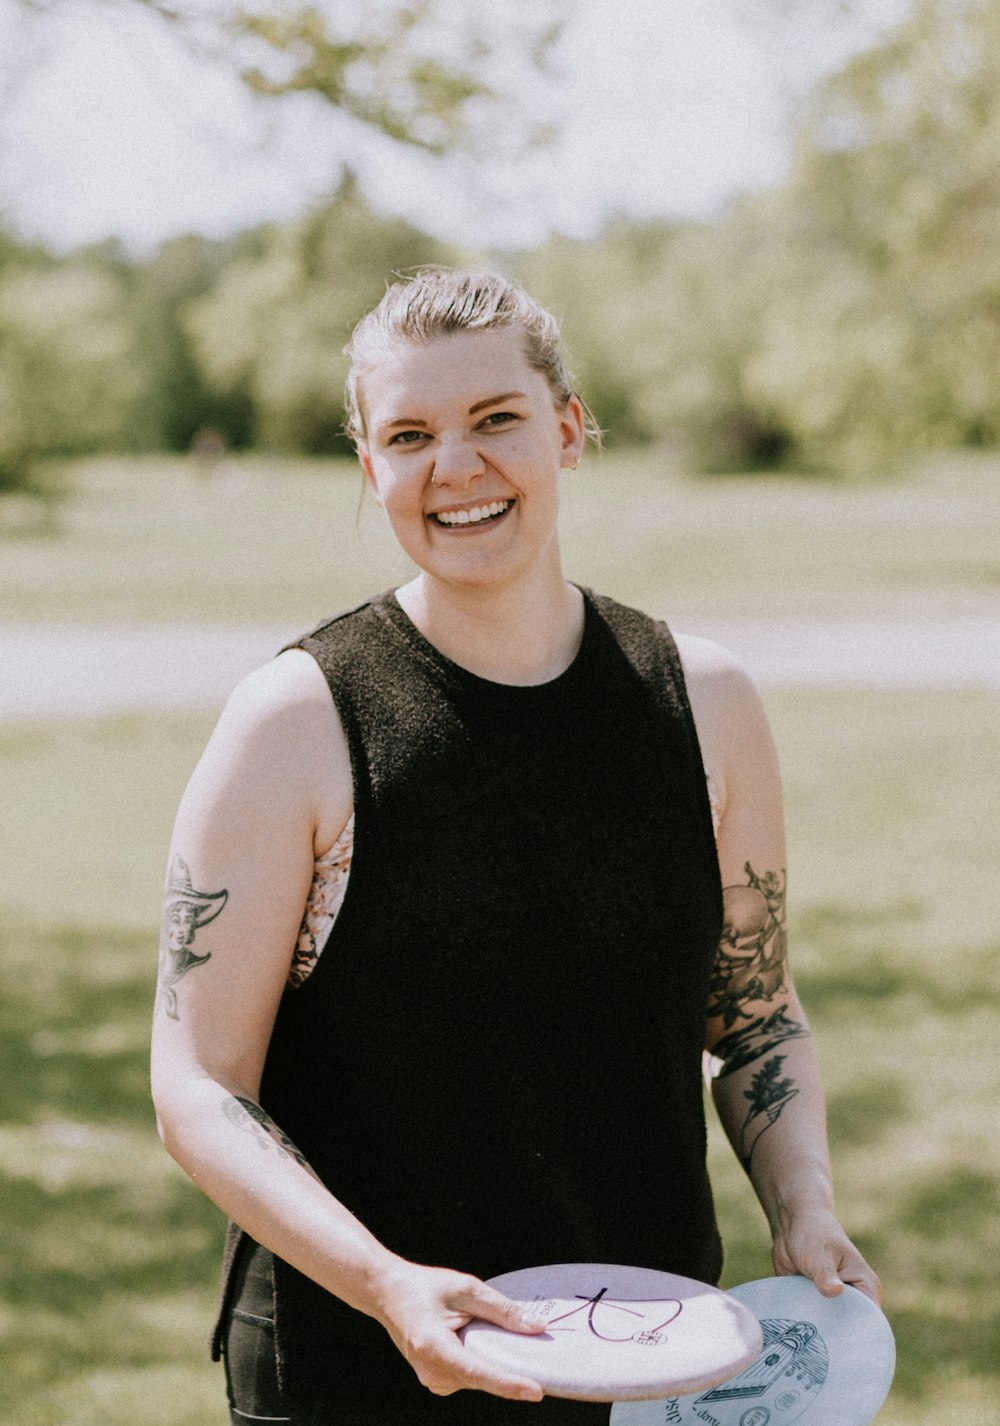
(473, 410)
(495, 401)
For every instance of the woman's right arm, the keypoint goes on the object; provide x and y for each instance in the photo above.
(272, 789)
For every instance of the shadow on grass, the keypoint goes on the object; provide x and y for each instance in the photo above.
(864, 956)
(80, 1244)
(110, 1256)
(861, 1113)
(75, 1009)
(949, 1229)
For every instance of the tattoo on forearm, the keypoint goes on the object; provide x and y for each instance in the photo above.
(245, 1114)
(750, 962)
(768, 1096)
(185, 912)
(764, 1033)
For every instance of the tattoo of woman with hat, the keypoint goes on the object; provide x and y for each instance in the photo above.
(185, 912)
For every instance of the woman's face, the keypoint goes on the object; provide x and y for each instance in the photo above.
(464, 447)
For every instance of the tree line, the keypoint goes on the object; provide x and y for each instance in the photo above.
(842, 320)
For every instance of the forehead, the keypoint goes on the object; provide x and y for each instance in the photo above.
(456, 370)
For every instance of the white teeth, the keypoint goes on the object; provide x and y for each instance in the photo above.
(473, 516)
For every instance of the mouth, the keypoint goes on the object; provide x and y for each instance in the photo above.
(486, 514)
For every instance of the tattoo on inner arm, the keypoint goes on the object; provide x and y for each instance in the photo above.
(247, 1115)
(749, 969)
(185, 912)
(768, 1096)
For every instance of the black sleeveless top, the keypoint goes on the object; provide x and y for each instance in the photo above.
(496, 1062)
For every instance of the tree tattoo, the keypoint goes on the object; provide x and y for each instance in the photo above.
(185, 912)
(248, 1116)
(768, 1095)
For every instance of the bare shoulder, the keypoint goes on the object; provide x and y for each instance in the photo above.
(280, 733)
(719, 687)
(287, 688)
(728, 713)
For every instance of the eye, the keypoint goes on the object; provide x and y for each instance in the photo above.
(407, 438)
(497, 419)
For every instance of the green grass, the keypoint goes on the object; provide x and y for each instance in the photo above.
(110, 1261)
(149, 540)
(111, 1256)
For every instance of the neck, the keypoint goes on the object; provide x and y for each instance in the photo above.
(519, 636)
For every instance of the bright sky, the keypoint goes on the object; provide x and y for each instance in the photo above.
(108, 127)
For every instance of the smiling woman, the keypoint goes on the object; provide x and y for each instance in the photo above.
(447, 1018)
(470, 485)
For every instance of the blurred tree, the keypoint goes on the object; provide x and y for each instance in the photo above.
(67, 376)
(272, 328)
(175, 400)
(885, 333)
(429, 73)
(662, 320)
(842, 320)
(426, 73)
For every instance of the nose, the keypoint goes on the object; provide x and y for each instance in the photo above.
(457, 462)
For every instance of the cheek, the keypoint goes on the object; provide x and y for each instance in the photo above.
(396, 492)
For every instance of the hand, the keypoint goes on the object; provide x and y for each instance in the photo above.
(816, 1246)
(423, 1309)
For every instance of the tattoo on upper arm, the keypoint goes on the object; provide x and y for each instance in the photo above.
(768, 1096)
(750, 962)
(750, 969)
(247, 1115)
(185, 912)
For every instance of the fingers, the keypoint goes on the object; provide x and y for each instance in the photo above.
(430, 1306)
(484, 1302)
(832, 1263)
(444, 1366)
(851, 1270)
(455, 1371)
(861, 1276)
(828, 1280)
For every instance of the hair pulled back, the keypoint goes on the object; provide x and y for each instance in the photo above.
(440, 302)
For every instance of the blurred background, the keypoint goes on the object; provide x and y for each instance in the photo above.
(770, 228)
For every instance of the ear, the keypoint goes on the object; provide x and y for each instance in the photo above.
(572, 432)
(366, 465)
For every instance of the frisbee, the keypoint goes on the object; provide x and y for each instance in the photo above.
(826, 1361)
(619, 1333)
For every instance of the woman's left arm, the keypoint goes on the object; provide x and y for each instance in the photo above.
(767, 1089)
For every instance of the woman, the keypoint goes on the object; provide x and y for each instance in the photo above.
(504, 804)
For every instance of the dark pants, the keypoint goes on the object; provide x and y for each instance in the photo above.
(248, 1348)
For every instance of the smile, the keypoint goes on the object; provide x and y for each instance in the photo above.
(476, 516)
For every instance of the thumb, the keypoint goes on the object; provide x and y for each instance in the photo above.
(828, 1280)
(491, 1306)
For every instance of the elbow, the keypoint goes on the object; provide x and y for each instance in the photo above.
(169, 1106)
(162, 1130)
(165, 1126)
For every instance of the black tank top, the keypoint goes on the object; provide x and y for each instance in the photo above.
(496, 1062)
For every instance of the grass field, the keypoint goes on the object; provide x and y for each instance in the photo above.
(110, 1255)
(284, 542)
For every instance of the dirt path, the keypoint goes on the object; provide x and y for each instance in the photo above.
(64, 670)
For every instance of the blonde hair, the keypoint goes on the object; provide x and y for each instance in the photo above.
(439, 302)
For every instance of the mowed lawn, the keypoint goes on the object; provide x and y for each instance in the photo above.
(285, 542)
(110, 1257)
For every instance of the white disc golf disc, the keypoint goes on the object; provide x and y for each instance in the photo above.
(826, 1361)
(619, 1333)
